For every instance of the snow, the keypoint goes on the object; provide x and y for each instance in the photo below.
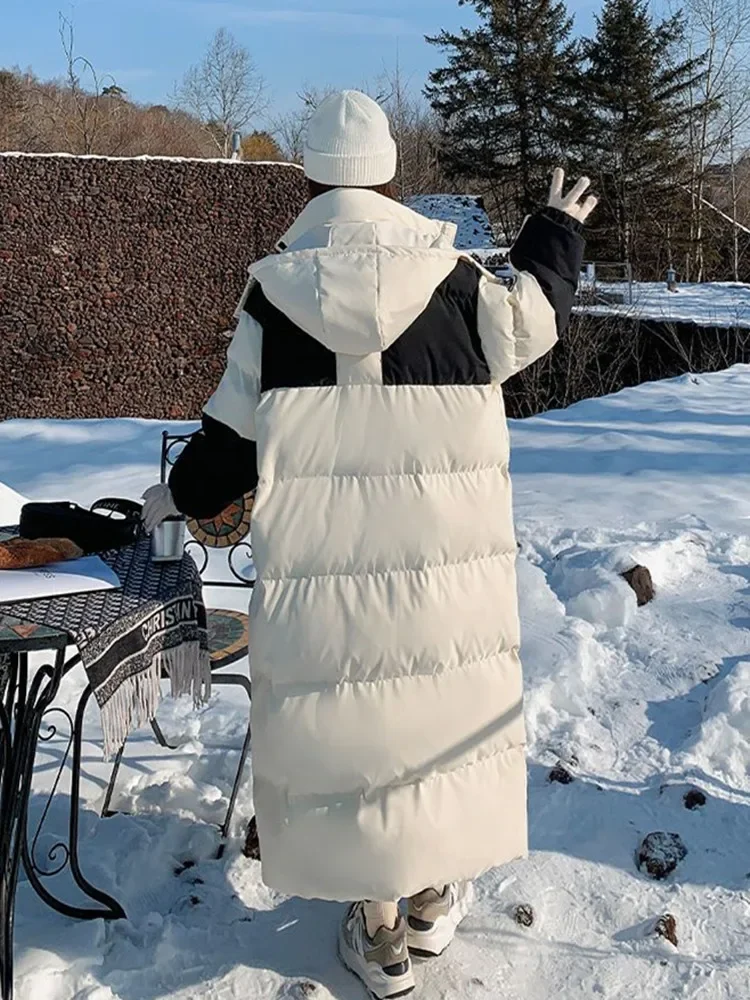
(145, 158)
(10, 505)
(725, 733)
(639, 704)
(466, 211)
(717, 303)
(484, 254)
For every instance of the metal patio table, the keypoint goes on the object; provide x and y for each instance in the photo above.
(28, 717)
(24, 701)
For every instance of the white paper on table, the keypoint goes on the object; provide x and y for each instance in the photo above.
(78, 576)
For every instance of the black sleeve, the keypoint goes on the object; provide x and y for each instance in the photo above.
(550, 246)
(216, 467)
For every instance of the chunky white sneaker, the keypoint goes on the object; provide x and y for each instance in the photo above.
(434, 918)
(382, 963)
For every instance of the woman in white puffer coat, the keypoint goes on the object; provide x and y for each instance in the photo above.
(363, 397)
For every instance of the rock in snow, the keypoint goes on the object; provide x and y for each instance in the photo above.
(694, 799)
(660, 853)
(560, 775)
(524, 915)
(252, 842)
(666, 927)
(639, 578)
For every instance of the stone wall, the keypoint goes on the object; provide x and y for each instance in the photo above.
(119, 277)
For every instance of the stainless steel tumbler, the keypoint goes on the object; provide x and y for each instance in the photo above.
(168, 540)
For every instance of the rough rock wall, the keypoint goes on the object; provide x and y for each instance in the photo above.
(118, 278)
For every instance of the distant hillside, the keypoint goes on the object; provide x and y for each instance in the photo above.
(49, 117)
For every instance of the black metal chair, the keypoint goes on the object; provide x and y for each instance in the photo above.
(227, 629)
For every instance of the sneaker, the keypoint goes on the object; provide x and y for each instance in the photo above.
(383, 962)
(434, 918)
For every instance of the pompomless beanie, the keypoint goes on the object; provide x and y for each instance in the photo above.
(349, 142)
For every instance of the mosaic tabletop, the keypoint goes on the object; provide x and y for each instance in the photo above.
(12, 630)
(227, 636)
(228, 528)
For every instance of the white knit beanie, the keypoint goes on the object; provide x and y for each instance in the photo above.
(349, 143)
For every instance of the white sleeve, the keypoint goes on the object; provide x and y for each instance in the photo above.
(516, 325)
(236, 399)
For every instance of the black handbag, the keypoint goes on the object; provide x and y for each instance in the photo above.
(118, 524)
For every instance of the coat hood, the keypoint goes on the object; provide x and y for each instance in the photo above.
(356, 269)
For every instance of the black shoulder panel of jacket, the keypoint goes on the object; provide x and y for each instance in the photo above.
(550, 246)
(215, 468)
(291, 358)
(442, 346)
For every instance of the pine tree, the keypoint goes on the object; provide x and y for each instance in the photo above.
(504, 98)
(633, 129)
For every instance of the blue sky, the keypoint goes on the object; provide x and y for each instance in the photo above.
(147, 44)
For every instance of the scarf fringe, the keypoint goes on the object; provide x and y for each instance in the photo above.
(137, 700)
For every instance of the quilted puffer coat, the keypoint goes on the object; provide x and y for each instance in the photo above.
(363, 393)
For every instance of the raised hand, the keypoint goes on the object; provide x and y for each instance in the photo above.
(571, 203)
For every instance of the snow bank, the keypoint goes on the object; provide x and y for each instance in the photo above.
(718, 303)
(722, 746)
(639, 705)
(589, 581)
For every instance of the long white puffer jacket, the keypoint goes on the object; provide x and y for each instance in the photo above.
(388, 733)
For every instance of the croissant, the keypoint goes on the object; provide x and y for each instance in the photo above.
(22, 553)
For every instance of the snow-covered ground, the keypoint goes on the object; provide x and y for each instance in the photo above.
(640, 705)
(465, 210)
(715, 303)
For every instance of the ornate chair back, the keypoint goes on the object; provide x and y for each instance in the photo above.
(229, 532)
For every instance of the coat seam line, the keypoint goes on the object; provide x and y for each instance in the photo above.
(469, 663)
(455, 770)
(496, 466)
(426, 568)
(382, 790)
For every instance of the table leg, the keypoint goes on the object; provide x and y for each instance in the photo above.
(109, 908)
(21, 711)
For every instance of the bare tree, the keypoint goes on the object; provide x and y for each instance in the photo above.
(289, 131)
(225, 90)
(289, 128)
(737, 110)
(45, 117)
(87, 105)
(13, 110)
(417, 134)
(721, 99)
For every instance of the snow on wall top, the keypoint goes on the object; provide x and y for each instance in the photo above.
(466, 211)
(716, 303)
(146, 158)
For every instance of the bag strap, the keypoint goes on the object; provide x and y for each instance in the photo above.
(130, 510)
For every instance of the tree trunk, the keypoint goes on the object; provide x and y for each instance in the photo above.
(733, 189)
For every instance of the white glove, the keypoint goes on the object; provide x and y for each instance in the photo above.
(571, 203)
(158, 505)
